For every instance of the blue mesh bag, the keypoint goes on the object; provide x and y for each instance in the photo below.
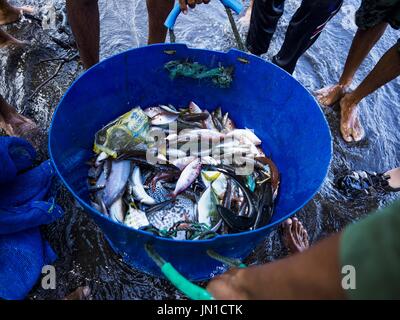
(23, 251)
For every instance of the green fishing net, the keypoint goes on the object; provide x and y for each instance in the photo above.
(128, 133)
(221, 76)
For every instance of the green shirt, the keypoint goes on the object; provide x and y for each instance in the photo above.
(372, 246)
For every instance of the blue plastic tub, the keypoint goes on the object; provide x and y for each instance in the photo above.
(262, 97)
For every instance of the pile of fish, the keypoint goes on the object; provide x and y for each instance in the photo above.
(182, 173)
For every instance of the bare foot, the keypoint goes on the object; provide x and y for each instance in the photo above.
(13, 123)
(12, 14)
(20, 125)
(330, 95)
(295, 236)
(350, 125)
(393, 177)
(82, 293)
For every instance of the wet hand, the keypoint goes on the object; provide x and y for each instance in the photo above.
(191, 3)
(229, 286)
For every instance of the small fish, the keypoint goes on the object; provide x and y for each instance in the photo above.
(170, 109)
(182, 163)
(208, 177)
(208, 123)
(107, 167)
(228, 143)
(152, 111)
(217, 123)
(137, 188)
(249, 134)
(218, 113)
(207, 208)
(219, 186)
(225, 119)
(136, 219)
(209, 161)
(102, 156)
(195, 117)
(229, 125)
(187, 177)
(116, 182)
(117, 211)
(182, 125)
(194, 108)
(200, 134)
(175, 153)
(163, 119)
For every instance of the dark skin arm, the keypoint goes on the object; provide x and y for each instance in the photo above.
(312, 274)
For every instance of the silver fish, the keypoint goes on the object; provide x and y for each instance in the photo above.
(152, 111)
(194, 108)
(207, 208)
(249, 134)
(187, 177)
(117, 211)
(208, 123)
(200, 134)
(170, 109)
(163, 119)
(137, 188)
(182, 163)
(116, 182)
(101, 157)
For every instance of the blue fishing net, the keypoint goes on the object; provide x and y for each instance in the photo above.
(221, 76)
(23, 251)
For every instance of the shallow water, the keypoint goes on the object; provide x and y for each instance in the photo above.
(84, 256)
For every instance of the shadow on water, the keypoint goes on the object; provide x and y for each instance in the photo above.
(84, 256)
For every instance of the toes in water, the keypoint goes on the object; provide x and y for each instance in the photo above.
(295, 236)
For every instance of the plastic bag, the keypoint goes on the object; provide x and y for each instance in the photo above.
(127, 133)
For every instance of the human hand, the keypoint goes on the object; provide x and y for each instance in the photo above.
(229, 286)
(192, 3)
